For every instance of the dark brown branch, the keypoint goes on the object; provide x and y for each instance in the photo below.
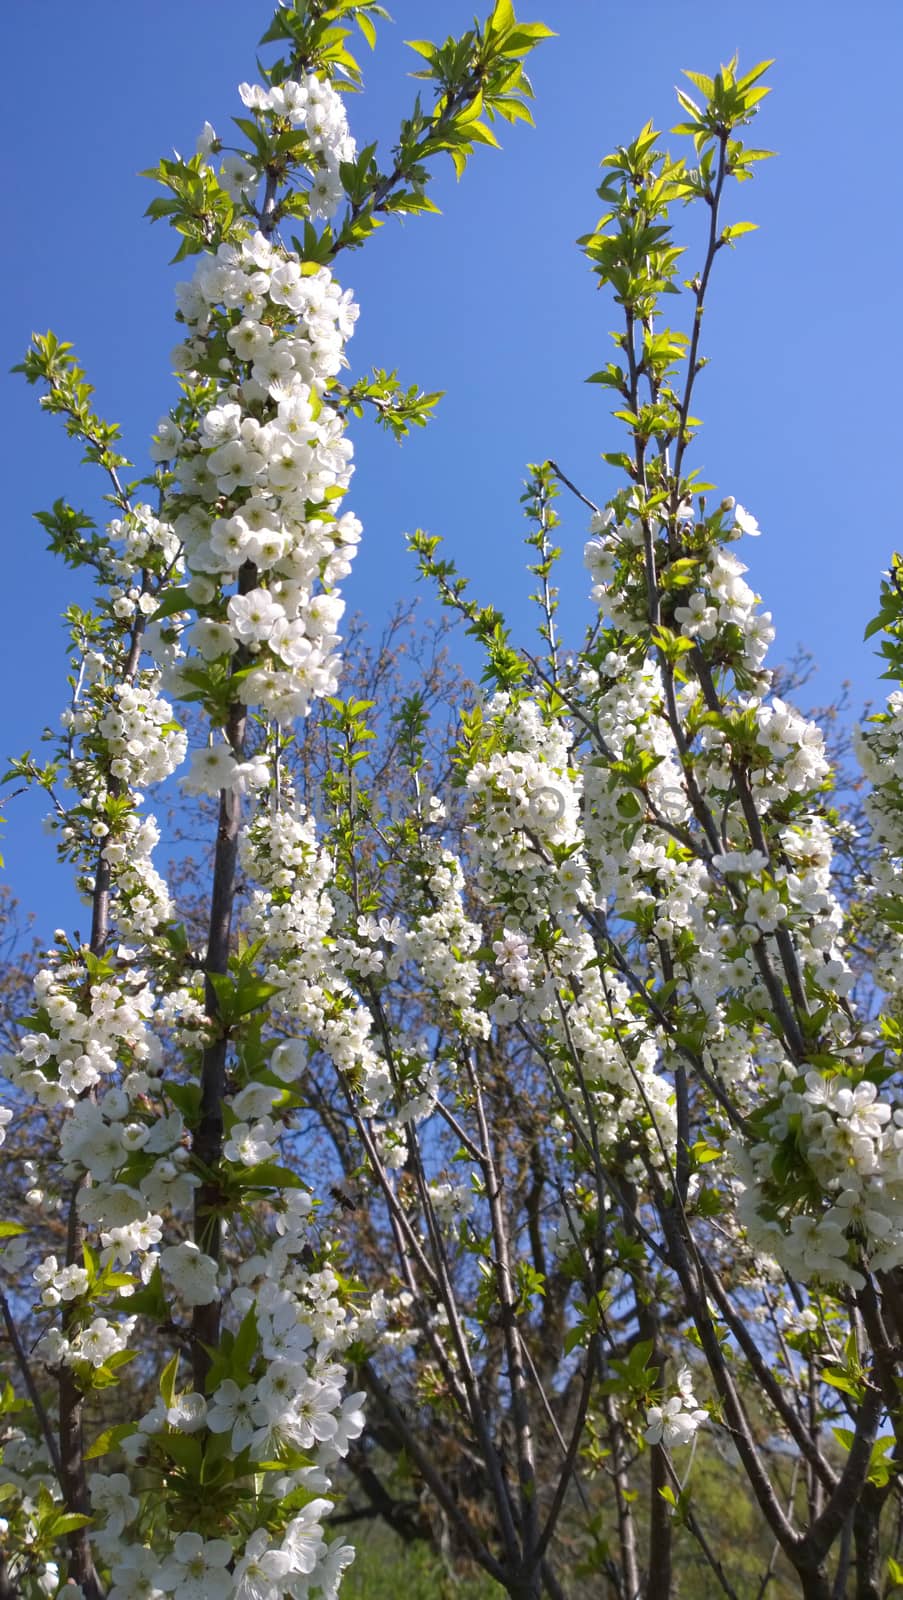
(563, 478)
(207, 1141)
(821, 1535)
(28, 1379)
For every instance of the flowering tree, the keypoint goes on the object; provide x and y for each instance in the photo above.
(548, 1104)
(222, 593)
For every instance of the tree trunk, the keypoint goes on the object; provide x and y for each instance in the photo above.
(866, 1526)
(661, 1528)
(526, 1585)
(813, 1584)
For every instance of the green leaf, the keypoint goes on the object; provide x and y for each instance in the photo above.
(250, 996)
(422, 47)
(182, 1448)
(574, 1337)
(690, 106)
(639, 1355)
(736, 229)
(245, 1345)
(530, 31)
(757, 72)
(470, 113)
(842, 1381)
(502, 17)
(67, 1523)
(92, 1263)
(168, 1380)
(174, 600)
(880, 1469)
(186, 1097)
(109, 1439)
(701, 82)
(883, 620)
(269, 1175)
(703, 1152)
(483, 135)
(895, 1572)
(148, 1301)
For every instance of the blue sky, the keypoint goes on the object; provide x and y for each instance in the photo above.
(490, 302)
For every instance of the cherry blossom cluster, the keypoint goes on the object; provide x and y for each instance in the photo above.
(77, 1042)
(286, 1405)
(528, 853)
(748, 893)
(848, 1140)
(314, 107)
(880, 751)
(294, 911)
(878, 747)
(251, 464)
(29, 1485)
(718, 606)
(119, 733)
(96, 1048)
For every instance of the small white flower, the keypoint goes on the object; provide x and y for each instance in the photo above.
(191, 1272)
(259, 1573)
(746, 522)
(212, 769)
(197, 1568)
(111, 1496)
(135, 1575)
(250, 1145)
(676, 1421)
(231, 1412)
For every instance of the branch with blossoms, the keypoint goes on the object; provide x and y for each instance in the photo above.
(177, 1095)
(651, 823)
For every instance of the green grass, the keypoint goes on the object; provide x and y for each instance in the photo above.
(387, 1569)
